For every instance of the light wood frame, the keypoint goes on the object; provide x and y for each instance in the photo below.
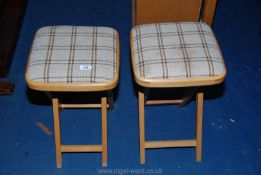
(60, 148)
(106, 102)
(196, 142)
(160, 13)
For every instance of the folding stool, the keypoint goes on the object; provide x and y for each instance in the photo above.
(173, 46)
(75, 59)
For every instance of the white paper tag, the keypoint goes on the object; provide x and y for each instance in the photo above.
(85, 67)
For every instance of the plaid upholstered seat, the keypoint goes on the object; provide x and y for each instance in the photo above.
(73, 54)
(175, 51)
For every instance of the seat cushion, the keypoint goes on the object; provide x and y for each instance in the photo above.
(175, 50)
(73, 54)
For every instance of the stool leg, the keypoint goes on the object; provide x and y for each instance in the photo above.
(141, 127)
(104, 130)
(57, 132)
(199, 121)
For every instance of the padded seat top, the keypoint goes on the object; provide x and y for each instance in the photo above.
(74, 54)
(176, 52)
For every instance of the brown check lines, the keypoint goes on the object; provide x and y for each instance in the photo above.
(49, 55)
(71, 55)
(177, 46)
(80, 34)
(207, 53)
(140, 54)
(162, 52)
(94, 54)
(61, 62)
(113, 46)
(179, 60)
(184, 50)
(77, 47)
(165, 34)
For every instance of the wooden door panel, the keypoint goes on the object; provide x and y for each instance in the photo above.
(153, 11)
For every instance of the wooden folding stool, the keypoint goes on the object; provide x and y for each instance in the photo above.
(75, 59)
(173, 46)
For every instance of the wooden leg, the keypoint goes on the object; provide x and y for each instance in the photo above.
(141, 127)
(199, 121)
(104, 130)
(57, 132)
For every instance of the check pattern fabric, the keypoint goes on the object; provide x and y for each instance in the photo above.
(72, 54)
(175, 50)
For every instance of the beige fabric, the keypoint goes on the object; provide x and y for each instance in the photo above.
(73, 54)
(176, 50)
